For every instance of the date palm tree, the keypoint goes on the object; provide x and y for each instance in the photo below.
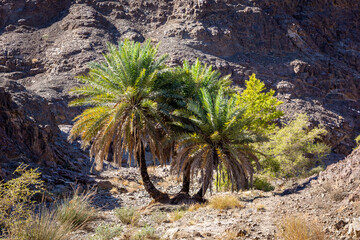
(217, 137)
(193, 78)
(126, 98)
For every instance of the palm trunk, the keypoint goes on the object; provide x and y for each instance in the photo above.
(186, 181)
(199, 196)
(148, 185)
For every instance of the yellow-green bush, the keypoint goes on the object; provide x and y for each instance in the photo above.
(294, 149)
(16, 204)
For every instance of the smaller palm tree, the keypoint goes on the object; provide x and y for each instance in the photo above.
(217, 137)
(192, 78)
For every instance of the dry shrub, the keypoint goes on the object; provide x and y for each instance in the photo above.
(299, 228)
(128, 215)
(225, 202)
(76, 211)
(337, 194)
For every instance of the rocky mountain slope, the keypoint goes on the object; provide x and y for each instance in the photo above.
(309, 51)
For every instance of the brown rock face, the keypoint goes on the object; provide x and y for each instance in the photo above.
(309, 51)
(28, 132)
(26, 125)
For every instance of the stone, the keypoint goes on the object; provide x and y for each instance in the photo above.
(354, 228)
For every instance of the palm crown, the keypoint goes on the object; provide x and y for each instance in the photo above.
(123, 92)
(217, 135)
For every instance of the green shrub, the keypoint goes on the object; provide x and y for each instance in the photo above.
(294, 149)
(128, 215)
(16, 204)
(261, 183)
(77, 210)
(357, 140)
(107, 232)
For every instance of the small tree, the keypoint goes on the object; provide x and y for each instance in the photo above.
(294, 149)
(16, 204)
(260, 105)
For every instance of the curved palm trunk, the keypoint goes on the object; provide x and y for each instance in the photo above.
(148, 185)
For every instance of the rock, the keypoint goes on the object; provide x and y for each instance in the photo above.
(105, 184)
(340, 224)
(354, 228)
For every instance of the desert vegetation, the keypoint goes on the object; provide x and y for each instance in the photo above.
(188, 116)
(24, 218)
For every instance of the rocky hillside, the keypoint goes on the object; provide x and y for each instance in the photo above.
(309, 51)
(328, 204)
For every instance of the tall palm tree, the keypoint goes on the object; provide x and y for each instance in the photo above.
(126, 98)
(216, 137)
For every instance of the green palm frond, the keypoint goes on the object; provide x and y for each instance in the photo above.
(126, 96)
(220, 137)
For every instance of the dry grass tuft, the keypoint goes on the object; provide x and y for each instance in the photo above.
(145, 233)
(225, 202)
(76, 211)
(176, 215)
(41, 226)
(196, 206)
(260, 207)
(128, 215)
(107, 232)
(299, 228)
